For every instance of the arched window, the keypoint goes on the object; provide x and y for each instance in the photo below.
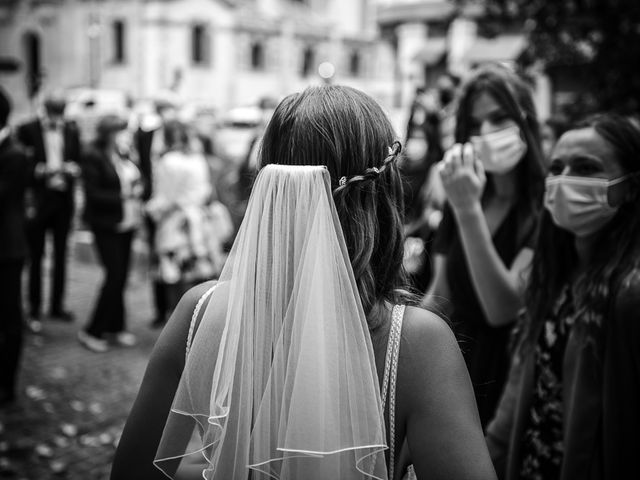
(308, 61)
(33, 62)
(199, 45)
(257, 56)
(119, 41)
(355, 63)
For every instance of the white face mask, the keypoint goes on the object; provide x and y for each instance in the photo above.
(580, 204)
(416, 149)
(500, 151)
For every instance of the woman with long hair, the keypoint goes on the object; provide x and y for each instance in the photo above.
(113, 211)
(303, 360)
(570, 409)
(493, 180)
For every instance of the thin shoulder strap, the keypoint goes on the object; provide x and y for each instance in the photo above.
(194, 317)
(389, 379)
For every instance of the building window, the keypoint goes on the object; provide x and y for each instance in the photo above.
(308, 61)
(355, 64)
(119, 39)
(257, 56)
(199, 45)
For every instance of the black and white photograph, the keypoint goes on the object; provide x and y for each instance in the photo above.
(319, 239)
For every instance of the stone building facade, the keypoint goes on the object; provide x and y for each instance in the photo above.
(221, 53)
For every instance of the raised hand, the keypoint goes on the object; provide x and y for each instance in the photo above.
(463, 177)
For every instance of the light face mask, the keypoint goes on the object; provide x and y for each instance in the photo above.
(500, 151)
(123, 142)
(580, 204)
(416, 149)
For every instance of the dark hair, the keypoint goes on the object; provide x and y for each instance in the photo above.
(558, 125)
(615, 247)
(107, 126)
(5, 107)
(347, 131)
(515, 98)
(176, 135)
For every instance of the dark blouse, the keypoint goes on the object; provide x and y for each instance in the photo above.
(542, 449)
(484, 347)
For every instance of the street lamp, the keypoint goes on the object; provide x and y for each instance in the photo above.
(326, 70)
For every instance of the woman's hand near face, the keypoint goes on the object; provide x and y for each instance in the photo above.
(463, 177)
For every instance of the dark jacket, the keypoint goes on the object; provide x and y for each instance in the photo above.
(102, 190)
(15, 172)
(143, 142)
(601, 399)
(31, 136)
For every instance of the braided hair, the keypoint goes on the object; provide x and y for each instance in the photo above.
(347, 131)
(371, 174)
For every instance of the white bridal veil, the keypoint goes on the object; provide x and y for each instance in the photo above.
(280, 379)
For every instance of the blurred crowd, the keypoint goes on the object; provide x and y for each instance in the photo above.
(523, 233)
(158, 178)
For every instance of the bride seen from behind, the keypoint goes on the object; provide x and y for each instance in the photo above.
(277, 370)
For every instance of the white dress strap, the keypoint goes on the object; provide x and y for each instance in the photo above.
(390, 377)
(194, 317)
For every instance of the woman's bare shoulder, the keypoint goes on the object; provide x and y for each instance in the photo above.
(173, 338)
(424, 328)
(428, 349)
(195, 293)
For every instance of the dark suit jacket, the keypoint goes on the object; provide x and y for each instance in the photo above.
(15, 172)
(143, 141)
(31, 135)
(102, 190)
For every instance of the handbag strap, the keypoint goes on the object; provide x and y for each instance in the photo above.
(389, 379)
(194, 317)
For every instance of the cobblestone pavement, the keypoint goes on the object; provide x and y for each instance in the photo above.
(73, 403)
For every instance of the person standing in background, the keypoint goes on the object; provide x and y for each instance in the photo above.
(186, 243)
(15, 170)
(550, 132)
(54, 145)
(150, 144)
(570, 407)
(113, 211)
(424, 195)
(493, 180)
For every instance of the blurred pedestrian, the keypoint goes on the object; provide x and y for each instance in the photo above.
(422, 149)
(54, 145)
(188, 248)
(282, 360)
(570, 409)
(550, 131)
(493, 179)
(424, 194)
(150, 145)
(15, 172)
(113, 210)
(249, 166)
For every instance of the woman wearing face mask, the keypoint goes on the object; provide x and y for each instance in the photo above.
(493, 179)
(570, 408)
(112, 188)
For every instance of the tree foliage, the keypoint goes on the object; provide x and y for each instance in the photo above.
(598, 39)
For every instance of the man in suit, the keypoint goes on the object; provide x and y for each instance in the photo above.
(54, 146)
(15, 172)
